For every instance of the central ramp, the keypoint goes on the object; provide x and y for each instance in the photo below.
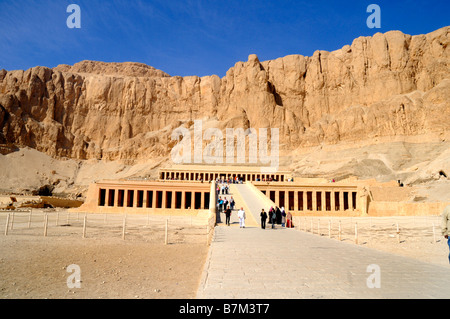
(250, 199)
(285, 263)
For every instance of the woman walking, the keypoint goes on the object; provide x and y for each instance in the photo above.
(289, 220)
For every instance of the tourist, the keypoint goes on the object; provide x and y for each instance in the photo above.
(283, 217)
(227, 215)
(274, 217)
(220, 204)
(270, 214)
(277, 215)
(232, 203)
(263, 219)
(446, 226)
(289, 220)
(241, 215)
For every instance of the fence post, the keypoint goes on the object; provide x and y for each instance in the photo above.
(84, 226)
(7, 225)
(339, 233)
(12, 221)
(45, 225)
(29, 219)
(356, 233)
(329, 228)
(57, 218)
(123, 226)
(398, 234)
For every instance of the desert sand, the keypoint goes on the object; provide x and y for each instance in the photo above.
(141, 266)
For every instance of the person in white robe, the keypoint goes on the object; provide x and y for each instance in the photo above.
(241, 215)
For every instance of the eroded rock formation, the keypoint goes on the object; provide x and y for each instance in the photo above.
(390, 84)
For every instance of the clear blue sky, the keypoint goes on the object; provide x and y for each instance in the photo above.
(194, 37)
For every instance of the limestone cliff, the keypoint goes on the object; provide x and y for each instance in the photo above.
(388, 85)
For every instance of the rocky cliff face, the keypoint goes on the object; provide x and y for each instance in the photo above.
(387, 85)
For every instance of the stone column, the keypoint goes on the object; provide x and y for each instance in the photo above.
(314, 200)
(154, 198)
(183, 199)
(350, 200)
(164, 196)
(192, 200)
(341, 200)
(305, 200)
(135, 198)
(116, 198)
(144, 198)
(277, 198)
(332, 201)
(295, 200)
(174, 197)
(106, 197)
(125, 198)
(324, 201)
(202, 200)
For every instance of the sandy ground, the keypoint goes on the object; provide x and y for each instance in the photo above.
(415, 239)
(141, 266)
(37, 268)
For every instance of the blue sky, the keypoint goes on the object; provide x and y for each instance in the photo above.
(194, 37)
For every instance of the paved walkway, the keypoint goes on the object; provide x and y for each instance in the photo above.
(287, 263)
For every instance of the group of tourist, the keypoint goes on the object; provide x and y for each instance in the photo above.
(234, 180)
(222, 189)
(276, 216)
(224, 203)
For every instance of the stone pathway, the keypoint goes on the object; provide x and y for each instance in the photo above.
(287, 263)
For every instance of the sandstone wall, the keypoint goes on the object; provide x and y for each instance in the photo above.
(390, 84)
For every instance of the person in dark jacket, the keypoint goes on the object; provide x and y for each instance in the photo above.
(270, 215)
(274, 218)
(263, 219)
(227, 215)
(278, 215)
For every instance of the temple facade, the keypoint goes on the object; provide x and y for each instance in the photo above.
(148, 196)
(189, 190)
